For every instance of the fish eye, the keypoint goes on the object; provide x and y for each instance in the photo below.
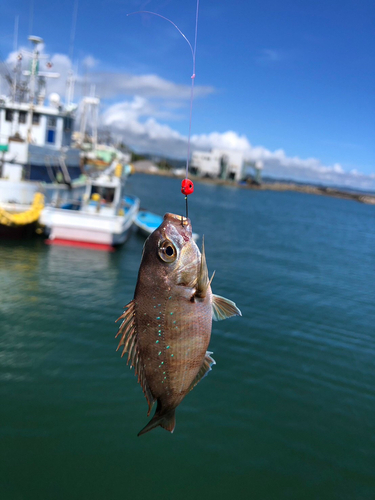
(167, 251)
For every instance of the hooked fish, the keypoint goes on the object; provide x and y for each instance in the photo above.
(166, 328)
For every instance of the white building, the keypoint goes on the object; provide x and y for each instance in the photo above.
(222, 163)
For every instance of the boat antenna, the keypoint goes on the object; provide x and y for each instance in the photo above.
(187, 186)
(31, 20)
(70, 80)
(15, 42)
(73, 32)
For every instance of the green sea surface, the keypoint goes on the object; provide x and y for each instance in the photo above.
(288, 412)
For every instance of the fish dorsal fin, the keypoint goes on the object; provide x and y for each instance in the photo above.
(223, 308)
(202, 282)
(128, 339)
(204, 369)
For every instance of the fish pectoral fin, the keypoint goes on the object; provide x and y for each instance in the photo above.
(202, 281)
(204, 369)
(128, 333)
(223, 308)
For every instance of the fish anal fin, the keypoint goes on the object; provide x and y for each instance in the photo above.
(223, 308)
(129, 340)
(204, 369)
(166, 420)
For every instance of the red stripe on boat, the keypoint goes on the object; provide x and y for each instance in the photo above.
(80, 244)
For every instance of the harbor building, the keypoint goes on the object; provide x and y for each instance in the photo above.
(219, 163)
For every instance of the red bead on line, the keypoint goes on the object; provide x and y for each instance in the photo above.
(187, 187)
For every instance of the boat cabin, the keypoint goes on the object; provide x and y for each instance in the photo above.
(38, 124)
(104, 195)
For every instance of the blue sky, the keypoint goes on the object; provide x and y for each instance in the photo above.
(291, 83)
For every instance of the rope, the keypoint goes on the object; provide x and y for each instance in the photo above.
(23, 218)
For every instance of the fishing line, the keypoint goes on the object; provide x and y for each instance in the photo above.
(187, 186)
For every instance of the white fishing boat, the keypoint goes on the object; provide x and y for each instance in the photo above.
(147, 222)
(34, 133)
(102, 220)
(37, 163)
(22, 200)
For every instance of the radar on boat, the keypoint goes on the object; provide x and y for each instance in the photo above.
(54, 100)
(35, 39)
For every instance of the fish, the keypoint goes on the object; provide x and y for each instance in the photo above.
(166, 328)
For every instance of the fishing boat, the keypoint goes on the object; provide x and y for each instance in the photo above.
(22, 200)
(35, 134)
(37, 163)
(147, 222)
(102, 220)
(95, 156)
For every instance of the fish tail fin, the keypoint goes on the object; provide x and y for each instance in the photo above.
(166, 420)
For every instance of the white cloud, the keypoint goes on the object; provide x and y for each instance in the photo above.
(111, 85)
(227, 140)
(126, 120)
(134, 122)
(90, 62)
(145, 100)
(60, 64)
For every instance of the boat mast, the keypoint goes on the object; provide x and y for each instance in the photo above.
(70, 81)
(35, 74)
(35, 40)
(15, 44)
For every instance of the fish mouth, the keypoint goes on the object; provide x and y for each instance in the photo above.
(179, 219)
(180, 223)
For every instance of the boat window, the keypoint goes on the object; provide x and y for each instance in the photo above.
(51, 121)
(9, 115)
(68, 124)
(51, 130)
(106, 194)
(36, 118)
(22, 117)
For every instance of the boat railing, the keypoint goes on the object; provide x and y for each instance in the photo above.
(47, 162)
(64, 169)
(57, 195)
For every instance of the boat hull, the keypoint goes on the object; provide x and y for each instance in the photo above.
(66, 231)
(80, 244)
(25, 231)
(96, 229)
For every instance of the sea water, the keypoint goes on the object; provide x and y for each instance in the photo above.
(288, 412)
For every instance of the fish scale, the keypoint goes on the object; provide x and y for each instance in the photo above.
(166, 328)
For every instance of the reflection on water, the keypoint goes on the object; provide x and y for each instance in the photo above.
(19, 277)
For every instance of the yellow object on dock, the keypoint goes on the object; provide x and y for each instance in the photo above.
(23, 218)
